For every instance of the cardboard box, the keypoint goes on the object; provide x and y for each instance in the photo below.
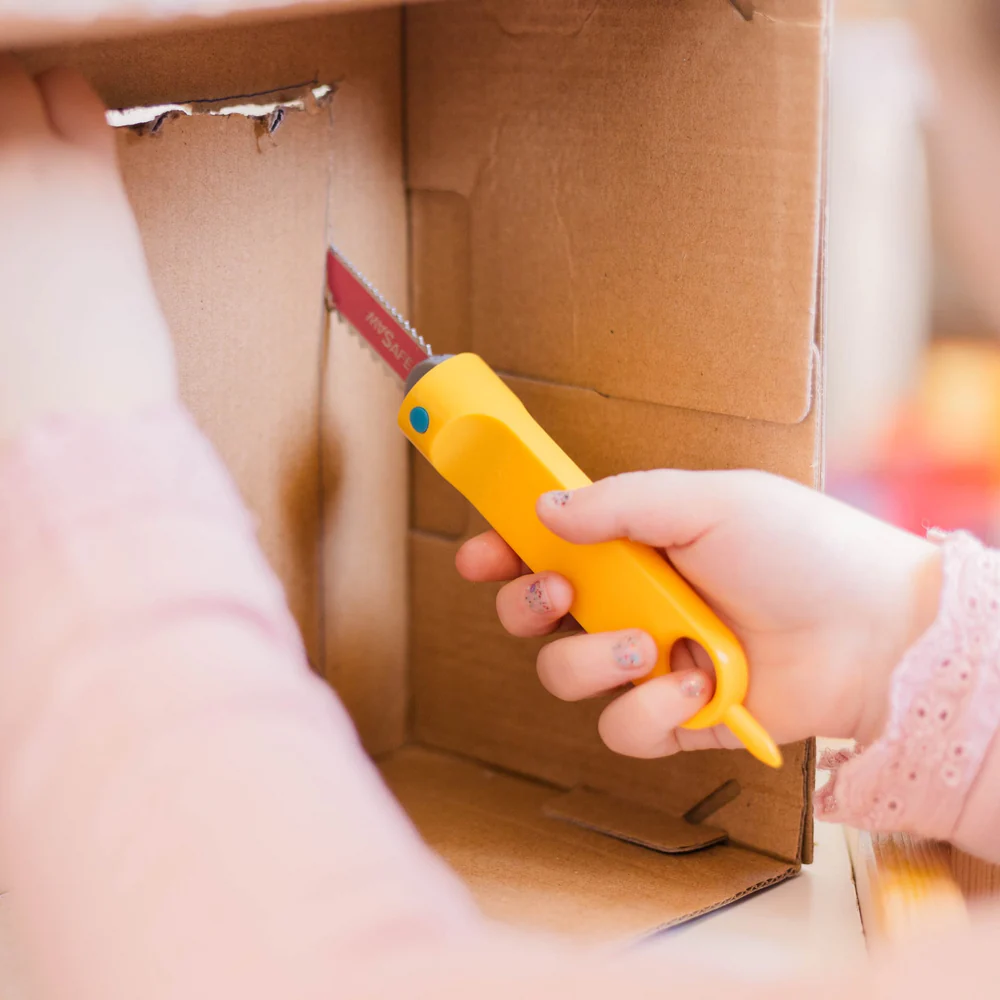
(620, 206)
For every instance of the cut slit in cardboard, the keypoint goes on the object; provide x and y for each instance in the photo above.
(620, 207)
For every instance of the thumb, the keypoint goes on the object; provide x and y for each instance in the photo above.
(75, 111)
(666, 508)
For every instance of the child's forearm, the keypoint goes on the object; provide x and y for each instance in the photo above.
(184, 809)
(935, 770)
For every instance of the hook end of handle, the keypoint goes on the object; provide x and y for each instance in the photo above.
(753, 736)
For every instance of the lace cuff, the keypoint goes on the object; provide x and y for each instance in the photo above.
(943, 713)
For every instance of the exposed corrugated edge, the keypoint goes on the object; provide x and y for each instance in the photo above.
(806, 838)
(268, 107)
(790, 872)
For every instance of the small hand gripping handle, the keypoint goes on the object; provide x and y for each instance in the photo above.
(477, 434)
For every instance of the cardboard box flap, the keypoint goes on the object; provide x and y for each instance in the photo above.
(631, 822)
(533, 871)
(26, 23)
(637, 188)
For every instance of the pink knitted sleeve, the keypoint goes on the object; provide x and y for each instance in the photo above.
(935, 770)
(185, 810)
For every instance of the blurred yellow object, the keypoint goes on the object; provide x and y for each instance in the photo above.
(957, 406)
(905, 886)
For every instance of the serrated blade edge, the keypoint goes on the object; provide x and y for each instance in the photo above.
(360, 305)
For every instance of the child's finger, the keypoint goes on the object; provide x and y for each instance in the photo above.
(643, 722)
(22, 112)
(665, 508)
(534, 605)
(584, 666)
(487, 558)
(75, 111)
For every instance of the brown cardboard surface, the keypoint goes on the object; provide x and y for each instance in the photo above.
(642, 182)
(248, 358)
(365, 572)
(236, 237)
(475, 692)
(536, 872)
(632, 823)
(608, 436)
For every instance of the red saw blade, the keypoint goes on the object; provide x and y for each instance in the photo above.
(389, 335)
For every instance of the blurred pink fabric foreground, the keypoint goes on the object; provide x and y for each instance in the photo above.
(184, 808)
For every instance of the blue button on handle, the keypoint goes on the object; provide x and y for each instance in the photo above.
(420, 419)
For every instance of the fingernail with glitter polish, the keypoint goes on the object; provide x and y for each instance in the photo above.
(537, 599)
(693, 686)
(627, 653)
(558, 499)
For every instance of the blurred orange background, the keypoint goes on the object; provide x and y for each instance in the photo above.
(913, 371)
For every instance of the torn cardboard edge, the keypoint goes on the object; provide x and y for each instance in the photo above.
(268, 108)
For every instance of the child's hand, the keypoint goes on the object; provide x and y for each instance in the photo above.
(824, 599)
(80, 328)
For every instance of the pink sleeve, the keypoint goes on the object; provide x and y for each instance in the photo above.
(184, 809)
(935, 770)
(180, 799)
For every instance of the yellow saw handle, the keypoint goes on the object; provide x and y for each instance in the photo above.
(478, 435)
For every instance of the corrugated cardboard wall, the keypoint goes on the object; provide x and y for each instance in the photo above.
(619, 207)
(236, 237)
